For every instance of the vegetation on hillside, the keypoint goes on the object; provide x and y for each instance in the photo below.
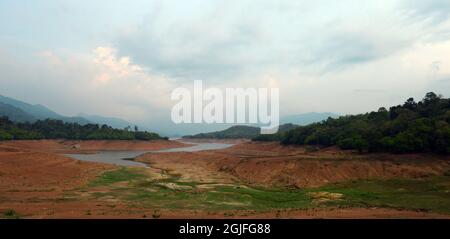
(275, 137)
(412, 127)
(234, 132)
(239, 132)
(57, 129)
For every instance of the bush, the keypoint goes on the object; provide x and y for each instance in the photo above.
(346, 144)
(357, 143)
(11, 214)
(5, 135)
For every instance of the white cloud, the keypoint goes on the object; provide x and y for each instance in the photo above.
(96, 83)
(220, 42)
(342, 56)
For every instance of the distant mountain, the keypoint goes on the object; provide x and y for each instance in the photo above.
(307, 118)
(37, 112)
(15, 114)
(237, 132)
(111, 121)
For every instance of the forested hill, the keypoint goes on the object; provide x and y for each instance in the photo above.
(237, 132)
(57, 129)
(422, 126)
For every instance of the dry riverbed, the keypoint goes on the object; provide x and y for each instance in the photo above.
(248, 180)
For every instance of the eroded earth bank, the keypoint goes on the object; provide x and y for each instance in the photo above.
(248, 180)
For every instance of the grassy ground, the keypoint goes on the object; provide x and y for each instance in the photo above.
(136, 187)
(430, 194)
(9, 214)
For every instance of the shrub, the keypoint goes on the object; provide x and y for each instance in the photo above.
(5, 135)
(10, 213)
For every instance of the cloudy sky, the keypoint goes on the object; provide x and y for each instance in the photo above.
(123, 58)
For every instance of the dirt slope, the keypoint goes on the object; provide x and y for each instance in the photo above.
(271, 164)
(36, 181)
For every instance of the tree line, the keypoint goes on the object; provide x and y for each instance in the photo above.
(58, 129)
(422, 126)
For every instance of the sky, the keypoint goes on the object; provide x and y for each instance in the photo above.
(124, 58)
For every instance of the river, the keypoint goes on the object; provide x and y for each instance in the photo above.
(125, 158)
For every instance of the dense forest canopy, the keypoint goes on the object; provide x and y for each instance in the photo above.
(57, 129)
(412, 127)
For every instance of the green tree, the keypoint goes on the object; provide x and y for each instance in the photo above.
(412, 127)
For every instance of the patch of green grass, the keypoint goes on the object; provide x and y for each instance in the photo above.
(231, 197)
(428, 194)
(144, 191)
(10, 214)
(121, 175)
